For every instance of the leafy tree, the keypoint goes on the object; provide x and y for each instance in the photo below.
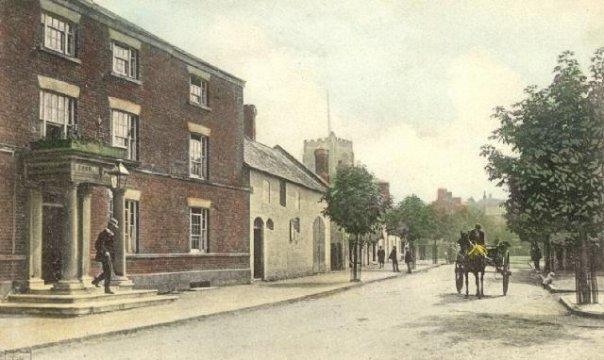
(555, 173)
(356, 206)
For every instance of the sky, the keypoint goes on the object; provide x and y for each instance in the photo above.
(411, 83)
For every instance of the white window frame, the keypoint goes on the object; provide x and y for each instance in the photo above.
(198, 155)
(57, 110)
(122, 121)
(59, 34)
(125, 60)
(131, 214)
(198, 229)
(198, 93)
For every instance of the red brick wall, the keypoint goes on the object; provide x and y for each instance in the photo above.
(163, 132)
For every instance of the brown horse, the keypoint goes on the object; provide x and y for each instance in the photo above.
(472, 262)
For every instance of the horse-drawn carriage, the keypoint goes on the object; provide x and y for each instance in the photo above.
(473, 258)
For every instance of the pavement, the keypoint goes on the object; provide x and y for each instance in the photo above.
(408, 317)
(23, 333)
(563, 288)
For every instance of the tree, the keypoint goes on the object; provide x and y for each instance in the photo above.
(356, 206)
(555, 175)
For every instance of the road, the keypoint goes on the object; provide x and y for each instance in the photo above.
(414, 317)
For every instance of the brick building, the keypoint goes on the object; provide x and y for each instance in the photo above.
(86, 96)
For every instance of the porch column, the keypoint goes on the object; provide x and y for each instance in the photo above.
(69, 256)
(119, 265)
(84, 266)
(34, 232)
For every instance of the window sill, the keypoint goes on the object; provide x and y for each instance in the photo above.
(58, 54)
(203, 107)
(198, 178)
(122, 77)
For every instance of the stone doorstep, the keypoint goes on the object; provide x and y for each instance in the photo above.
(84, 308)
(54, 298)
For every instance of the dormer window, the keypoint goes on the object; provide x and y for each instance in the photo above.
(59, 35)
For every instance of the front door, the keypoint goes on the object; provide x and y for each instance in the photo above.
(52, 240)
(258, 249)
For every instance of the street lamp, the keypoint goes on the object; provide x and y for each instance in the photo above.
(119, 176)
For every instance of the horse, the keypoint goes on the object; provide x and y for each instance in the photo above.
(473, 259)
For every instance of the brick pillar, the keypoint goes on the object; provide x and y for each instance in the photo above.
(249, 121)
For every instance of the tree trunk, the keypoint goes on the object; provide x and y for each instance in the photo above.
(548, 255)
(355, 259)
(583, 274)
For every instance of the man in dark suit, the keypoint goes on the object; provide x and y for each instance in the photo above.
(477, 235)
(381, 256)
(105, 253)
(392, 257)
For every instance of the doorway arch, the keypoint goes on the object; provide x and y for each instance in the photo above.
(318, 236)
(258, 248)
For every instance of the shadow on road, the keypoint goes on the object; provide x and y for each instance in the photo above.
(515, 330)
(454, 298)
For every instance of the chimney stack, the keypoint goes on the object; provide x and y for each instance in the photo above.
(322, 163)
(249, 121)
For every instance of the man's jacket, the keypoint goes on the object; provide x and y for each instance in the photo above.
(105, 244)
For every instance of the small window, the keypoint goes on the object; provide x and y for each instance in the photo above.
(294, 230)
(131, 215)
(266, 191)
(198, 156)
(199, 229)
(59, 35)
(124, 128)
(125, 61)
(282, 193)
(57, 113)
(198, 93)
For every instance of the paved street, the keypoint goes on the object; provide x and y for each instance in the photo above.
(415, 317)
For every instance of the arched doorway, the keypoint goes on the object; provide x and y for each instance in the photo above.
(318, 236)
(258, 249)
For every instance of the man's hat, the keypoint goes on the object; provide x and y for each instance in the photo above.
(113, 222)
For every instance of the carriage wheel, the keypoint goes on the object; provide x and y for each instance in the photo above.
(506, 273)
(458, 278)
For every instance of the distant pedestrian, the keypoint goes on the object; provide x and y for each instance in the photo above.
(381, 256)
(392, 257)
(105, 253)
(536, 255)
(408, 259)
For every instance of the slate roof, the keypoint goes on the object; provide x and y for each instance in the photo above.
(278, 162)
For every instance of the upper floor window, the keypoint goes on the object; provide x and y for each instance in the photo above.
(198, 156)
(282, 193)
(57, 113)
(125, 61)
(124, 128)
(199, 229)
(59, 35)
(198, 91)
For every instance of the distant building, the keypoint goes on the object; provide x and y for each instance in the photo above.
(492, 207)
(445, 202)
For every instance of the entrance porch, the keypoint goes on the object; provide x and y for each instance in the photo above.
(60, 175)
